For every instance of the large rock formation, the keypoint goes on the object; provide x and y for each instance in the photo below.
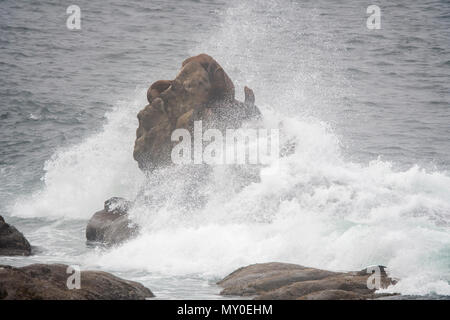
(49, 282)
(12, 242)
(111, 225)
(201, 91)
(284, 281)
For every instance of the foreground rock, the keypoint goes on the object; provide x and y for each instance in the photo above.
(201, 91)
(111, 225)
(12, 242)
(284, 281)
(49, 282)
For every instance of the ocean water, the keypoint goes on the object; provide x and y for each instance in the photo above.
(369, 182)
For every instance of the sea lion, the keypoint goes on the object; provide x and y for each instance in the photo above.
(249, 97)
(157, 88)
(222, 88)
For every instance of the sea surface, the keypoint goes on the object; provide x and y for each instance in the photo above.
(369, 182)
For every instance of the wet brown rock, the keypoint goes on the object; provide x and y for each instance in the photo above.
(334, 295)
(12, 242)
(283, 281)
(49, 282)
(266, 277)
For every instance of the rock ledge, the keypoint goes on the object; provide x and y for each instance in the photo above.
(49, 282)
(284, 281)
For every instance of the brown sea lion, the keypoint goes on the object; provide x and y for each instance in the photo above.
(156, 88)
(222, 86)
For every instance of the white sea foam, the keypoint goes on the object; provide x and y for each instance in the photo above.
(319, 210)
(78, 179)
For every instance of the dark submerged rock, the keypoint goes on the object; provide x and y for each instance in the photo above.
(12, 242)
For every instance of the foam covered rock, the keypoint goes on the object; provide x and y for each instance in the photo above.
(111, 225)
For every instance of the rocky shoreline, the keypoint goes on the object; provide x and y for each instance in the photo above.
(265, 281)
(201, 91)
(262, 281)
(49, 282)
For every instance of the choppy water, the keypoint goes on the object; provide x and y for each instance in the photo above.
(369, 109)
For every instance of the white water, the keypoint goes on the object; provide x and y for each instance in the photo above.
(320, 209)
(77, 177)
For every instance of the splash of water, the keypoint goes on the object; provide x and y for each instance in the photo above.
(78, 178)
(319, 210)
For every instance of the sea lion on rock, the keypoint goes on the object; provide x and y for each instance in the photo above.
(200, 91)
(221, 85)
(249, 97)
(156, 88)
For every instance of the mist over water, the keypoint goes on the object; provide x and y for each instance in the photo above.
(367, 184)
